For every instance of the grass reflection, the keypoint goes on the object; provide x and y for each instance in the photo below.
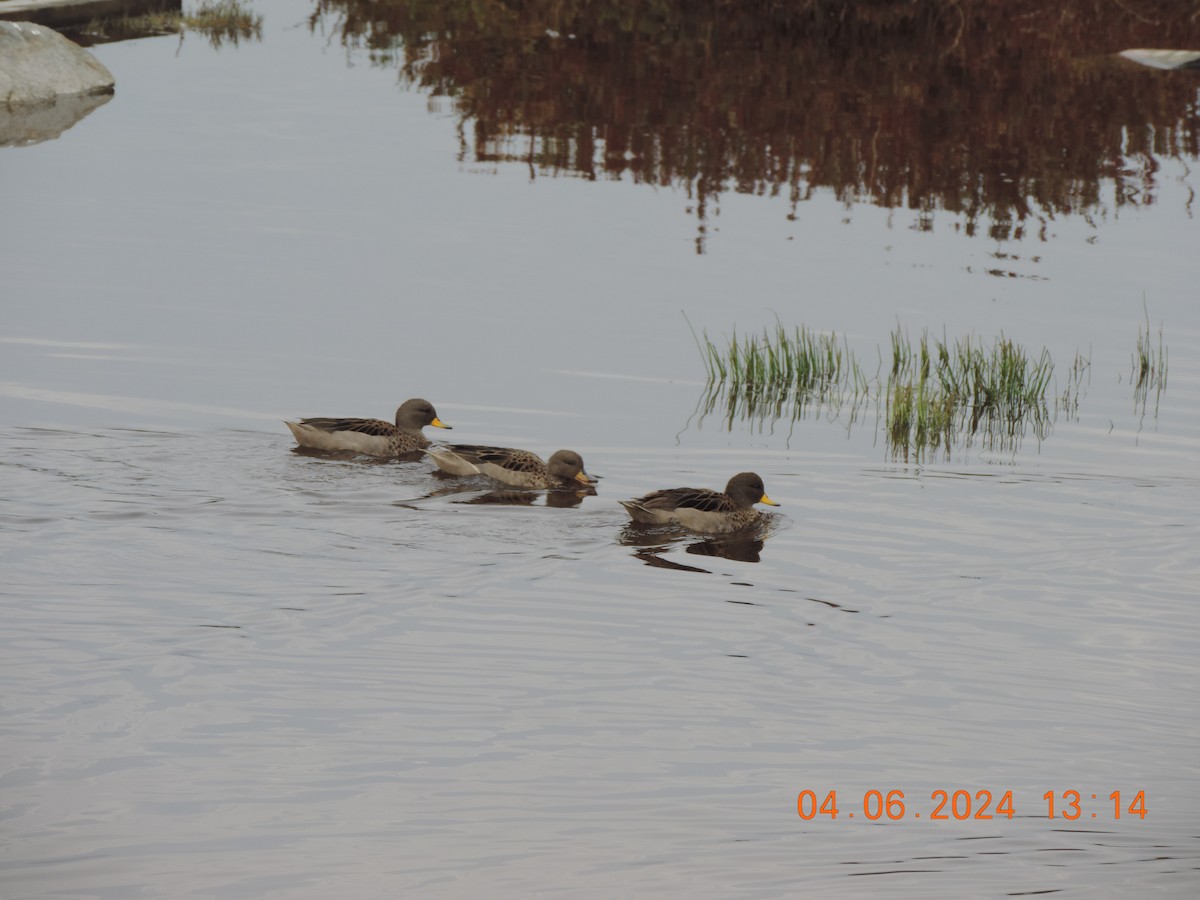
(221, 22)
(225, 22)
(763, 406)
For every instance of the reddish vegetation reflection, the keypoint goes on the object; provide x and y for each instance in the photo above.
(1003, 114)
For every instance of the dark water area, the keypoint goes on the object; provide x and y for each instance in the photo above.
(230, 668)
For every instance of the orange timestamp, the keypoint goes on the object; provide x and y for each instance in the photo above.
(982, 805)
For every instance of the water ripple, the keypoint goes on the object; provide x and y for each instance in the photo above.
(294, 656)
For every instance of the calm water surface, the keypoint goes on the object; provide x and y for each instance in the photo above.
(234, 670)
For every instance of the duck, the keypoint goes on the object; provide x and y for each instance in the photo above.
(519, 468)
(374, 437)
(701, 509)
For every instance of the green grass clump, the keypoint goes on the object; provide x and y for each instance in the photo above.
(803, 359)
(940, 391)
(780, 374)
(918, 415)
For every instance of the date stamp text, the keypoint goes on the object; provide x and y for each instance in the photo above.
(947, 805)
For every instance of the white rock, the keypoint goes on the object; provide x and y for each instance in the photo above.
(1164, 59)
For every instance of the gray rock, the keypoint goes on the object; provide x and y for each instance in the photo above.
(38, 65)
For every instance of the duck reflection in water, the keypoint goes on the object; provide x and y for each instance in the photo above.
(559, 499)
(473, 493)
(654, 543)
(743, 548)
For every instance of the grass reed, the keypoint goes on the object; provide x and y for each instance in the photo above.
(1068, 400)
(1149, 371)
